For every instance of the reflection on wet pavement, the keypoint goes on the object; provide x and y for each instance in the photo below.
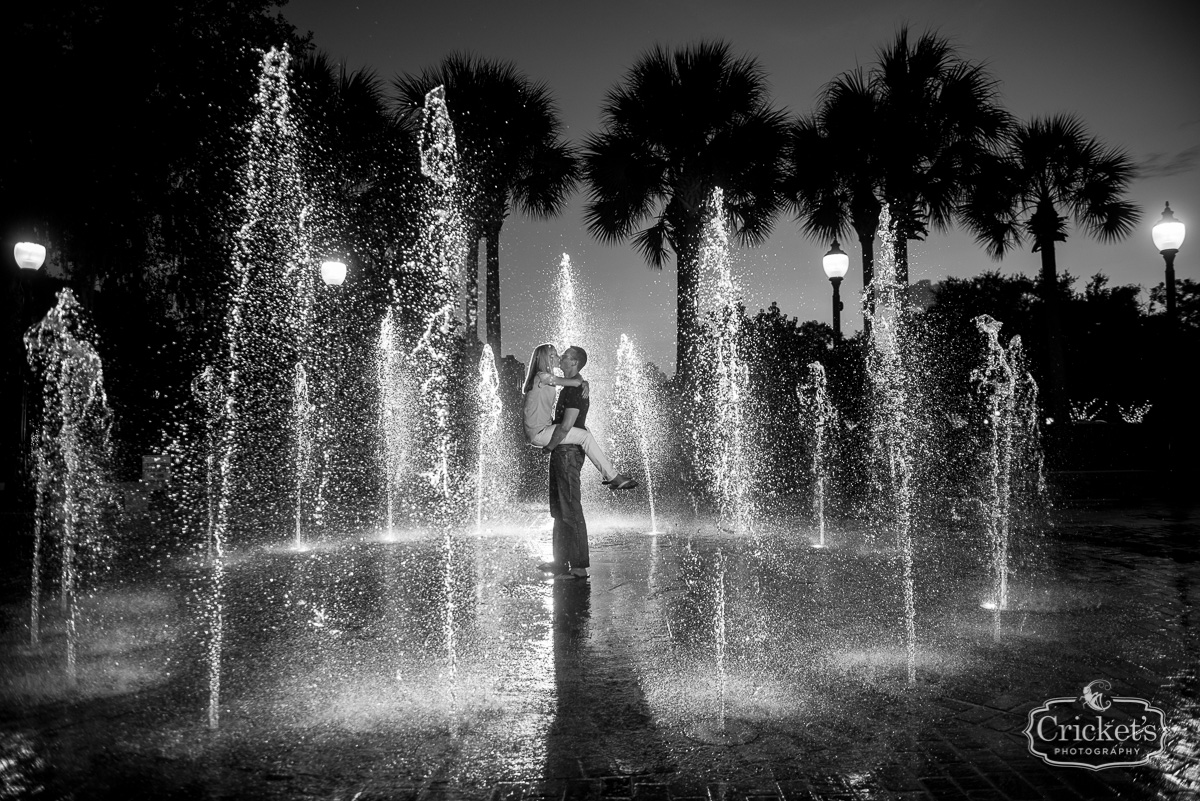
(691, 664)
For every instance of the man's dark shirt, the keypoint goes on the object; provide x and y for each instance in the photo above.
(572, 398)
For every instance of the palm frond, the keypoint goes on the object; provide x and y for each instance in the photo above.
(508, 130)
(1060, 166)
(681, 122)
(652, 243)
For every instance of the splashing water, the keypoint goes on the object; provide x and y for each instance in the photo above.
(210, 392)
(73, 452)
(439, 149)
(892, 397)
(631, 391)
(41, 467)
(571, 323)
(1009, 396)
(489, 425)
(322, 484)
(267, 328)
(207, 388)
(574, 327)
(393, 421)
(719, 638)
(822, 417)
(302, 411)
(442, 258)
(216, 622)
(266, 337)
(725, 385)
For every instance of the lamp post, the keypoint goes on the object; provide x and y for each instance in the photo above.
(1168, 236)
(30, 257)
(836, 263)
(333, 273)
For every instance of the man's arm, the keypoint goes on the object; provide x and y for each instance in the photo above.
(560, 381)
(564, 428)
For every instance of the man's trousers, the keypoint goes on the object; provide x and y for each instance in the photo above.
(566, 507)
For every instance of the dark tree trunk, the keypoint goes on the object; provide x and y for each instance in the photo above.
(1047, 228)
(687, 261)
(865, 220)
(1056, 368)
(493, 287)
(866, 241)
(473, 289)
(901, 259)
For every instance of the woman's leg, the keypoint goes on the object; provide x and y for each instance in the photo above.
(541, 438)
(579, 436)
(593, 451)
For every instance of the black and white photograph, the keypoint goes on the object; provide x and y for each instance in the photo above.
(624, 401)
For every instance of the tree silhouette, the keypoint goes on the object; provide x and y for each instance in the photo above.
(914, 132)
(834, 170)
(1052, 166)
(510, 146)
(938, 117)
(678, 125)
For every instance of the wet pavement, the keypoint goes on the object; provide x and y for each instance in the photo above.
(693, 664)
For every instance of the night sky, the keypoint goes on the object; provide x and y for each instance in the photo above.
(1131, 71)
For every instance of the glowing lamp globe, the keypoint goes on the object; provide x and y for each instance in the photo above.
(836, 262)
(333, 273)
(1168, 232)
(29, 255)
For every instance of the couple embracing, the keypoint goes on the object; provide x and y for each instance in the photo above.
(560, 429)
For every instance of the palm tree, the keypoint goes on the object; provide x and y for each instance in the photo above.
(938, 116)
(1052, 169)
(510, 146)
(833, 169)
(912, 133)
(679, 125)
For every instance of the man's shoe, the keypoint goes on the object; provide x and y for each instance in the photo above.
(621, 481)
(568, 577)
(550, 567)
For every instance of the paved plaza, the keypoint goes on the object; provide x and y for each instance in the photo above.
(693, 664)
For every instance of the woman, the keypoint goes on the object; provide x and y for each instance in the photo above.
(539, 393)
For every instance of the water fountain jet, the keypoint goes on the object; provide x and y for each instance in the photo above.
(73, 452)
(491, 408)
(442, 254)
(893, 398)
(721, 432)
(630, 389)
(1009, 398)
(822, 417)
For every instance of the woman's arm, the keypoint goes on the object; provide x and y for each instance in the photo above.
(558, 381)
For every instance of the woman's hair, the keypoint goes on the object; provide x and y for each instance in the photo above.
(540, 353)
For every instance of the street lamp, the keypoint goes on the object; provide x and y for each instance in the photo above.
(836, 263)
(333, 273)
(29, 255)
(1168, 236)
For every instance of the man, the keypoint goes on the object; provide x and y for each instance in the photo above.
(571, 559)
